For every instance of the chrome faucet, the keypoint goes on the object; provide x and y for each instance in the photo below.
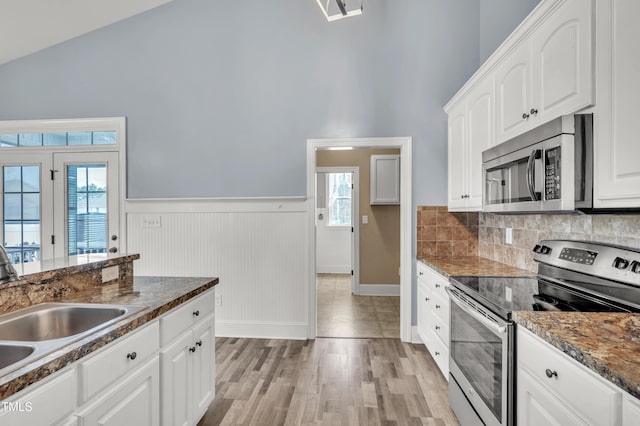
(7, 271)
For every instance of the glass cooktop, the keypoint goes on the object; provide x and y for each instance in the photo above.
(503, 295)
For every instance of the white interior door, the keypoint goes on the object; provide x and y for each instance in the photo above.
(26, 206)
(86, 208)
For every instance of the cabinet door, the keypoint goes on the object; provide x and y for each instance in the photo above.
(616, 147)
(134, 402)
(480, 135)
(630, 411)
(203, 367)
(513, 93)
(563, 62)
(457, 167)
(422, 307)
(537, 406)
(176, 381)
(385, 179)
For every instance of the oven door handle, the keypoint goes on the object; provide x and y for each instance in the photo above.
(531, 173)
(496, 328)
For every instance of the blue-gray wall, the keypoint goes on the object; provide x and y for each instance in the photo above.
(498, 18)
(221, 96)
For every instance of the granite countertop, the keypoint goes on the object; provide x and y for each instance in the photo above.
(472, 266)
(157, 294)
(607, 343)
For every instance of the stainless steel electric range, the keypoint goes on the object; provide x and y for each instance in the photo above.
(572, 276)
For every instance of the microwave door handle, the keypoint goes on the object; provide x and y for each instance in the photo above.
(531, 173)
(496, 328)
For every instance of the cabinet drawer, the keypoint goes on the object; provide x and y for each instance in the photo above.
(184, 316)
(112, 362)
(440, 307)
(569, 379)
(50, 401)
(441, 329)
(439, 352)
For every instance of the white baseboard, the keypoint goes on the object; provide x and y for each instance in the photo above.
(333, 269)
(379, 290)
(261, 330)
(415, 338)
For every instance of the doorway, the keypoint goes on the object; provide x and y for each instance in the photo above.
(403, 303)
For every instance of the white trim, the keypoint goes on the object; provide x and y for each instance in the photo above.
(355, 220)
(406, 232)
(415, 337)
(379, 289)
(334, 269)
(261, 330)
(216, 205)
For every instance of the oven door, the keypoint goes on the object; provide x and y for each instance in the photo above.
(481, 359)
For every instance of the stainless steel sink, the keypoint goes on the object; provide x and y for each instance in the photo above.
(36, 331)
(10, 354)
(54, 321)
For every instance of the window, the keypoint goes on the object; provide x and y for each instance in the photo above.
(61, 185)
(339, 190)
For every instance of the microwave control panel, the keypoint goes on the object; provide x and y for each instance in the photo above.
(552, 174)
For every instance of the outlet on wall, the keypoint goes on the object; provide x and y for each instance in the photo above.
(218, 300)
(508, 235)
(151, 221)
(110, 273)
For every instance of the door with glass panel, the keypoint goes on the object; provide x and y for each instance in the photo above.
(86, 211)
(26, 206)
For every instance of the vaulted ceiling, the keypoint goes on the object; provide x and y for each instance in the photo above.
(27, 26)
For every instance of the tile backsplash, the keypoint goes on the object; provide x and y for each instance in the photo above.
(441, 233)
(529, 229)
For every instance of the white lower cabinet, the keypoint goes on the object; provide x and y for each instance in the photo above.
(553, 389)
(50, 402)
(433, 315)
(125, 382)
(188, 371)
(133, 401)
(630, 411)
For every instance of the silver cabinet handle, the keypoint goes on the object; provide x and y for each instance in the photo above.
(533, 111)
(525, 116)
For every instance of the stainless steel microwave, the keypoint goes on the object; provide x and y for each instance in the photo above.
(549, 168)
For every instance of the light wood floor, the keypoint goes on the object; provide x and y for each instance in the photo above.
(327, 382)
(341, 314)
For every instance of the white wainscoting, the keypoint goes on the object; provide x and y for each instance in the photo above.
(258, 249)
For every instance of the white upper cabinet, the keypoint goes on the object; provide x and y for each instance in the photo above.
(513, 93)
(385, 179)
(616, 145)
(562, 58)
(549, 72)
(471, 131)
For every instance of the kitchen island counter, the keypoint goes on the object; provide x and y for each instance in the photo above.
(157, 294)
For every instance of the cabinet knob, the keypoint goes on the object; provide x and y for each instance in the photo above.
(192, 349)
(113, 250)
(437, 327)
(525, 116)
(533, 111)
(426, 299)
(550, 374)
(437, 306)
(421, 273)
(196, 313)
(437, 353)
(132, 356)
(437, 285)
(199, 343)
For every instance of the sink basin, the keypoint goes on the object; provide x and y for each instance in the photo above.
(10, 354)
(50, 321)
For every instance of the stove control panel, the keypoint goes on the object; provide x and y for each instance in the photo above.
(584, 257)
